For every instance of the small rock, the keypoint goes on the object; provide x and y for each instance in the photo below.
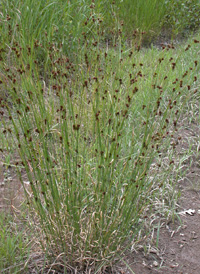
(155, 263)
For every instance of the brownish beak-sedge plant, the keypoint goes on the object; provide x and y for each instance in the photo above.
(87, 126)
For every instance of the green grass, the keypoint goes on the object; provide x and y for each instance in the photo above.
(29, 23)
(14, 246)
(92, 123)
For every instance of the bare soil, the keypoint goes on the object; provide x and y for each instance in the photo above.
(179, 246)
(178, 249)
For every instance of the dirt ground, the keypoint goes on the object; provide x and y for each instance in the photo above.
(178, 249)
(11, 190)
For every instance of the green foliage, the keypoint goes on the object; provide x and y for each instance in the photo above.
(87, 139)
(183, 15)
(140, 15)
(29, 23)
(13, 246)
